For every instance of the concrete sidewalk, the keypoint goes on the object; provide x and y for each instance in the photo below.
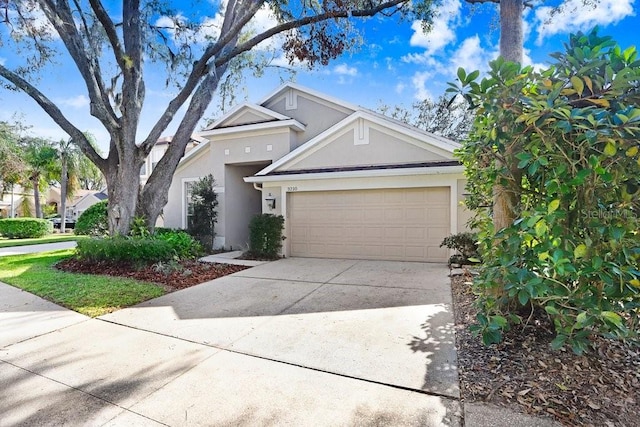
(30, 249)
(293, 342)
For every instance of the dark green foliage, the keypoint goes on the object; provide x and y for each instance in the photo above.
(265, 236)
(122, 249)
(466, 245)
(25, 228)
(93, 221)
(184, 246)
(204, 216)
(575, 250)
(166, 246)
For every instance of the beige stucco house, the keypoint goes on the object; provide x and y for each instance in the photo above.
(351, 183)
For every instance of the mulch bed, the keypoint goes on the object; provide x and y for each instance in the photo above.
(601, 388)
(171, 275)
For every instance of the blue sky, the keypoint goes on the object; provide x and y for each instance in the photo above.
(397, 63)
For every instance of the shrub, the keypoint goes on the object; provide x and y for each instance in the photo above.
(168, 246)
(25, 228)
(265, 236)
(123, 249)
(94, 221)
(182, 243)
(574, 253)
(203, 218)
(466, 246)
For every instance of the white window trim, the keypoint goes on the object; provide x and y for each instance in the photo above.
(183, 212)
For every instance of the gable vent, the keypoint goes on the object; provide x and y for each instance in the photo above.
(361, 133)
(291, 100)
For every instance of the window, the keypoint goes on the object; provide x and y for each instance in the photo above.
(143, 169)
(188, 204)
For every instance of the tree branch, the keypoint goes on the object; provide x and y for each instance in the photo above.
(200, 68)
(60, 16)
(110, 30)
(526, 3)
(54, 112)
(132, 82)
(334, 14)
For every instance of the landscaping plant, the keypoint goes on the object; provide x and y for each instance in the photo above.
(574, 252)
(265, 236)
(93, 221)
(25, 228)
(204, 215)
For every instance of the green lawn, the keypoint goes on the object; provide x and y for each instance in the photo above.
(51, 238)
(86, 294)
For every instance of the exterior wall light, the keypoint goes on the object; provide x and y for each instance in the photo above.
(271, 201)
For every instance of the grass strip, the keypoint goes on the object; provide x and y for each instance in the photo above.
(87, 294)
(51, 238)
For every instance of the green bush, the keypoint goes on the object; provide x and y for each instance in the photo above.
(203, 204)
(574, 253)
(265, 236)
(123, 249)
(466, 246)
(94, 221)
(182, 243)
(25, 228)
(168, 246)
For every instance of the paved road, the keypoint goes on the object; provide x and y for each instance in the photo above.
(30, 249)
(299, 342)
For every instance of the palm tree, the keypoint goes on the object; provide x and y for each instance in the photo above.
(40, 157)
(68, 154)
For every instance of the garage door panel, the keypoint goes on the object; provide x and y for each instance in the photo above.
(394, 224)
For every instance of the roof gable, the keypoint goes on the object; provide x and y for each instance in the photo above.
(245, 114)
(365, 139)
(289, 92)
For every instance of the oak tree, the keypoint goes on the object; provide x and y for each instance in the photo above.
(113, 46)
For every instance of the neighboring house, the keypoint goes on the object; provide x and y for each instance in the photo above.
(76, 204)
(158, 151)
(351, 183)
(16, 201)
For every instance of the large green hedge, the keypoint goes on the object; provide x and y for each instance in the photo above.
(175, 245)
(25, 228)
(574, 251)
(265, 236)
(94, 221)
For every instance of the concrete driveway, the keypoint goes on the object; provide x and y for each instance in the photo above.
(292, 342)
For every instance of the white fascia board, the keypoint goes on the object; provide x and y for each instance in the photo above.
(348, 107)
(309, 144)
(438, 170)
(448, 146)
(193, 152)
(429, 138)
(265, 112)
(291, 123)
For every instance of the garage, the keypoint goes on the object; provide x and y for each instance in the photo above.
(403, 224)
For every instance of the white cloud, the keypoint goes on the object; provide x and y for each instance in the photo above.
(79, 101)
(419, 82)
(345, 70)
(400, 87)
(471, 56)
(442, 32)
(575, 15)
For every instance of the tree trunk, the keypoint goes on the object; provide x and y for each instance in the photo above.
(36, 195)
(123, 183)
(154, 195)
(505, 199)
(63, 195)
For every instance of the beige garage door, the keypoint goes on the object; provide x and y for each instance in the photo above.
(393, 224)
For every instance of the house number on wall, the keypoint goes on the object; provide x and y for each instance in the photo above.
(292, 188)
